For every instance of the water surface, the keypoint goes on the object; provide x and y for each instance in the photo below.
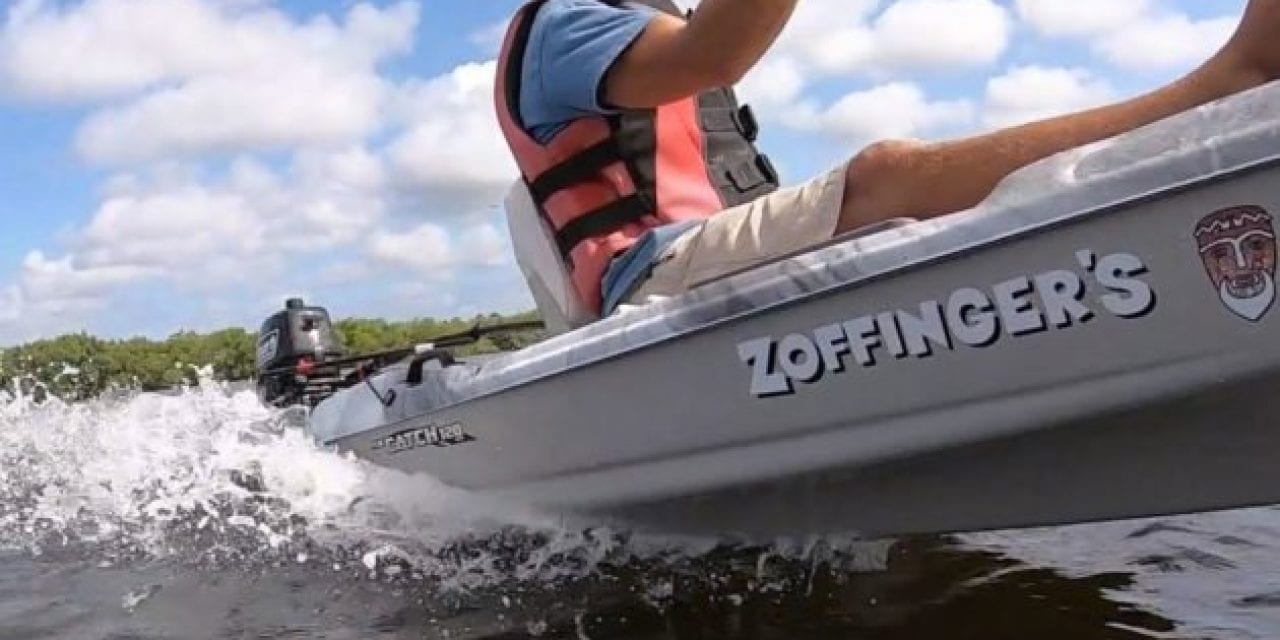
(201, 515)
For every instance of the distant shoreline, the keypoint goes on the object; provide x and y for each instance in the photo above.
(81, 366)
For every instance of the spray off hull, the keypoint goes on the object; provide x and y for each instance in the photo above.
(1060, 354)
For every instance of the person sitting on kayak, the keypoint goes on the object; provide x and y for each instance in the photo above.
(645, 167)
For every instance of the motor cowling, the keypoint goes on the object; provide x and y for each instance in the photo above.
(290, 345)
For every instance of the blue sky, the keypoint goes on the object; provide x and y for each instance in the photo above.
(185, 164)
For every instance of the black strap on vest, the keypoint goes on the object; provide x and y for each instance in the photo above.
(515, 60)
(585, 165)
(603, 221)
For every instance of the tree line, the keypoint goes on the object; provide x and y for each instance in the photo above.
(80, 366)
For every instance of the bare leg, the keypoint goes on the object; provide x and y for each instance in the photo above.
(919, 180)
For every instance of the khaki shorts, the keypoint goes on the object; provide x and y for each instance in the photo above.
(769, 227)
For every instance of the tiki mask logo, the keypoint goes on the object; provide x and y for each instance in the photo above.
(1238, 247)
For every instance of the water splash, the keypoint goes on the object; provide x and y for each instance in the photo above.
(209, 475)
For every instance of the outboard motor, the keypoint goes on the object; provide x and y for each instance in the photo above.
(291, 345)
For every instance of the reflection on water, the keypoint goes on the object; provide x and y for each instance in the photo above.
(928, 588)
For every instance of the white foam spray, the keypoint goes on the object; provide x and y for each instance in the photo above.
(208, 474)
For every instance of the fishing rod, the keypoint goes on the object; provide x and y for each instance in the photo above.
(478, 332)
(450, 341)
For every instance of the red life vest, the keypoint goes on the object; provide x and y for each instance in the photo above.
(605, 180)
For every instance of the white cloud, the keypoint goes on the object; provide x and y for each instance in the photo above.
(213, 228)
(180, 227)
(247, 111)
(322, 221)
(187, 92)
(426, 248)
(776, 82)
(1080, 18)
(1165, 42)
(11, 305)
(485, 245)
(326, 200)
(55, 296)
(840, 37)
(895, 110)
(104, 48)
(453, 147)
(1032, 93)
(867, 38)
(53, 285)
(828, 35)
(186, 77)
(1140, 35)
(940, 34)
(430, 250)
(169, 227)
(344, 272)
(489, 37)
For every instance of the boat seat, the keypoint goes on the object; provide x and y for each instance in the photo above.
(545, 272)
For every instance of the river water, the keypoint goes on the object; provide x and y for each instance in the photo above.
(204, 515)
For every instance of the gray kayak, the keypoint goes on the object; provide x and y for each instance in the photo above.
(1098, 340)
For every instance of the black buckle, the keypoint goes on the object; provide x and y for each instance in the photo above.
(765, 165)
(745, 176)
(747, 123)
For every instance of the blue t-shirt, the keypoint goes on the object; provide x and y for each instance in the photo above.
(572, 45)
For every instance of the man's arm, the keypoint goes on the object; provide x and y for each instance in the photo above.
(674, 59)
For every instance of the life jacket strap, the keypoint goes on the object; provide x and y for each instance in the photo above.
(583, 166)
(603, 221)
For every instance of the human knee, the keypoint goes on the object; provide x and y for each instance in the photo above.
(876, 178)
(883, 159)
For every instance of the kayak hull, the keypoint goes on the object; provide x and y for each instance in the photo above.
(1058, 355)
(1173, 458)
